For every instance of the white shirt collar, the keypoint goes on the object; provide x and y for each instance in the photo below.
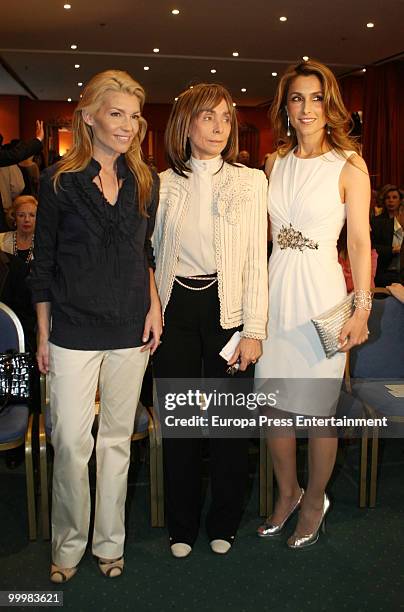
(210, 166)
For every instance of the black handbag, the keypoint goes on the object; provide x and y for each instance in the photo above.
(15, 378)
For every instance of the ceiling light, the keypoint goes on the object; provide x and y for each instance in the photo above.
(363, 69)
(235, 53)
(69, 99)
(370, 25)
(213, 71)
(80, 84)
(156, 50)
(283, 18)
(73, 46)
(81, 95)
(77, 65)
(274, 74)
(191, 87)
(234, 104)
(146, 68)
(67, 6)
(175, 12)
(175, 99)
(306, 58)
(243, 89)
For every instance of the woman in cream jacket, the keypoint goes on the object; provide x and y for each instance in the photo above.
(211, 274)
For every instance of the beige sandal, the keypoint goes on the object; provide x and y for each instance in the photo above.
(61, 574)
(111, 568)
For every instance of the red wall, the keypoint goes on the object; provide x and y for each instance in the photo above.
(31, 110)
(10, 117)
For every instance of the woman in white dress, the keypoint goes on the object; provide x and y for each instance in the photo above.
(317, 179)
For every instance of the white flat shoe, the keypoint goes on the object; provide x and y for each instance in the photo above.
(220, 547)
(180, 550)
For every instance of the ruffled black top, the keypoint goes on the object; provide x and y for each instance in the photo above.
(92, 260)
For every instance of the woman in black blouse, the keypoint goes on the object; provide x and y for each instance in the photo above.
(93, 274)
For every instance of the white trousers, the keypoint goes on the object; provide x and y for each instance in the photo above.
(73, 377)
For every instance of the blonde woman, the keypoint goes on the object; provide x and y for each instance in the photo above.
(93, 274)
(317, 180)
(22, 216)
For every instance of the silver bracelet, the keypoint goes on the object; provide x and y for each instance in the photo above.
(363, 299)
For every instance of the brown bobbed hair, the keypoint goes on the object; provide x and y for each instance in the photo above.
(385, 190)
(81, 152)
(337, 117)
(17, 202)
(188, 106)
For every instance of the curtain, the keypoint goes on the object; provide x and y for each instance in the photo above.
(383, 138)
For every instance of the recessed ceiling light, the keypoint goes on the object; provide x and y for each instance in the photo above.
(243, 89)
(69, 99)
(146, 68)
(213, 70)
(274, 74)
(235, 53)
(156, 50)
(175, 12)
(283, 18)
(67, 6)
(370, 25)
(73, 46)
(305, 58)
(77, 66)
(80, 84)
(363, 69)
(175, 99)
(234, 104)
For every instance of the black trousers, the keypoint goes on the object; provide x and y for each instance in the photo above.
(191, 342)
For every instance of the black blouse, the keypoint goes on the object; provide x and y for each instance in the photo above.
(92, 260)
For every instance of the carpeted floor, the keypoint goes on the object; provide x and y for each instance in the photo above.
(357, 566)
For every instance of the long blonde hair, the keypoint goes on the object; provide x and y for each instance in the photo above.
(185, 109)
(338, 119)
(81, 152)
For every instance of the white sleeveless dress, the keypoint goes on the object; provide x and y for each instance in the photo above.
(304, 282)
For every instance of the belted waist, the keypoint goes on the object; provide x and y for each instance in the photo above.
(291, 238)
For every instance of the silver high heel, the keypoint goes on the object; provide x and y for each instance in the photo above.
(311, 538)
(270, 530)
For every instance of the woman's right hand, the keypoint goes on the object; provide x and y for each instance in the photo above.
(39, 131)
(42, 355)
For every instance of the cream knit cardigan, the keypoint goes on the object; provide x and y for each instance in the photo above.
(240, 224)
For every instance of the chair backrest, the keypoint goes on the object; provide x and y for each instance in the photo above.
(382, 356)
(11, 332)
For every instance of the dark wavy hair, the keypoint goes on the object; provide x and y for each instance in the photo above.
(338, 118)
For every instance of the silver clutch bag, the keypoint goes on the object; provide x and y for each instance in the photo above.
(330, 323)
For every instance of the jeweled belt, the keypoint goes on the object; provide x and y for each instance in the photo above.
(208, 279)
(290, 238)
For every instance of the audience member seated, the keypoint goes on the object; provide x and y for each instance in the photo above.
(388, 237)
(20, 241)
(343, 259)
(11, 185)
(244, 158)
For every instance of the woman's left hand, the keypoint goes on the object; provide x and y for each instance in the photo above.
(248, 351)
(355, 330)
(154, 326)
